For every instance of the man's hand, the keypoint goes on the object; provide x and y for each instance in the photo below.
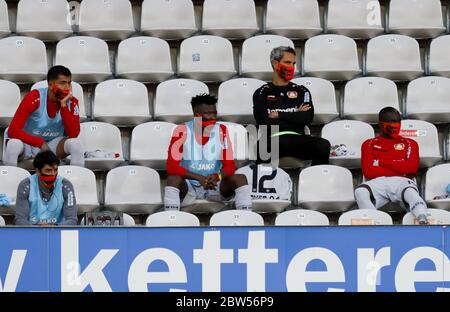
(45, 147)
(304, 107)
(67, 98)
(273, 115)
(211, 181)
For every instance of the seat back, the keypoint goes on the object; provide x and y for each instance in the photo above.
(172, 218)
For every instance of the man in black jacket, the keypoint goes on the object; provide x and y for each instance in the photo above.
(289, 106)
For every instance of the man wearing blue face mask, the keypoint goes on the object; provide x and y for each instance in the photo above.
(46, 198)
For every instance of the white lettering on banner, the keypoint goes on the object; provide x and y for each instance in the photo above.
(14, 270)
(297, 276)
(71, 279)
(369, 266)
(139, 277)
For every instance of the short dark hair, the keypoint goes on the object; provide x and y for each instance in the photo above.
(45, 158)
(203, 99)
(277, 53)
(389, 113)
(56, 71)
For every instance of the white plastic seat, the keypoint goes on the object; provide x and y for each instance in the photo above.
(144, 59)
(428, 99)
(301, 217)
(354, 18)
(127, 220)
(86, 57)
(236, 218)
(435, 216)
(173, 99)
(332, 57)
(45, 20)
(325, 188)
(436, 181)
(172, 218)
(133, 189)
(2, 221)
(84, 184)
(235, 100)
(10, 101)
(300, 21)
(439, 63)
(239, 140)
(323, 96)
(105, 137)
(77, 91)
(10, 177)
(418, 18)
(229, 18)
(107, 19)
(149, 144)
(206, 58)
(352, 133)
(4, 19)
(122, 102)
(255, 59)
(23, 59)
(365, 217)
(364, 98)
(168, 19)
(426, 135)
(395, 57)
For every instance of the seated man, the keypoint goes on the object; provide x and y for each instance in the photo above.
(47, 119)
(200, 162)
(46, 198)
(390, 163)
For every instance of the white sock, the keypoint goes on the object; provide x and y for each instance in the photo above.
(362, 196)
(75, 149)
(416, 204)
(243, 199)
(171, 198)
(13, 150)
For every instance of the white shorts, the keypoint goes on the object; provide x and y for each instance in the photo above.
(384, 190)
(198, 192)
(31, 151)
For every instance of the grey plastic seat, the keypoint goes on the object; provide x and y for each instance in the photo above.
(236, 218)
(10, 101)
(10, 177)
(302, 217)
(436, 181)
(4, 19)
(365, 217)
(435, 216)
(438, 61)
(172, 218)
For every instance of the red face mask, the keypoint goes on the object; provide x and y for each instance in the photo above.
(284, 71)
(48, 180)
(60, 93)
(206, 123)
(391, 129)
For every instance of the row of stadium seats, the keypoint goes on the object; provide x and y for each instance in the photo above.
(211, 58)
(113, 19)
(137, 190)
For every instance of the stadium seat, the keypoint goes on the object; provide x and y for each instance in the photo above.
(235, 100)
(107, 19)
(133, 189)
(428, 99)
(104, 137)
(426, 135)
(4, 19)
(206, 58)
(301, 217)
(435, 216)
(438, 60)
(325, 188)
(229, 18)
(173, 99)
(149, 144)
(77, 91)
(436, 180)
(86, 57)
(10, 177)
(359, 19)
(23, 59)
(172, 218)
(239, 140)
(144, 59)
(122, 102)
(45, 20)
(84, 184)
(300, 21)
(255, 59)
(323, 97)
(395, 57)
(127, 220)
(351, 133)
(10, 101)
(364, 98)
(365, 217)
(2, 221)
(174, 19)
(332, 57)
(418, 18)
(236, 218)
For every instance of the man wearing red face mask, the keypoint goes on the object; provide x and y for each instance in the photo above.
(390, 162)
(46, 119)
(289, 106)
(45, 198)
